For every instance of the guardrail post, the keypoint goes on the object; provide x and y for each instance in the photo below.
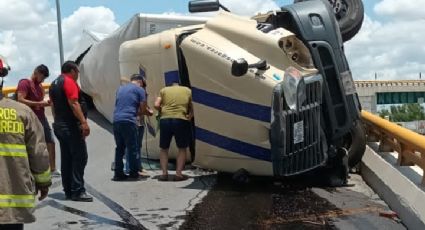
(404, 151)
(386, 144)
(372, 134)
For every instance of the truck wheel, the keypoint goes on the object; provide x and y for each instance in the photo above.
(355, 142)
(350, 15)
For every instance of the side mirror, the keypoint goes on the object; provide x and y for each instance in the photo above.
(239, 67)
(204, 6)
(261, 65)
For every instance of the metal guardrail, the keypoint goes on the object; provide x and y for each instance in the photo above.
(409, 145)
(9, 90)
(365, 84)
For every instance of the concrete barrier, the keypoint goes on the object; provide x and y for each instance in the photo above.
(403, 196)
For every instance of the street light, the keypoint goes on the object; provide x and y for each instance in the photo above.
(58, 13)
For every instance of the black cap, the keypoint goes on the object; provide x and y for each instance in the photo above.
(137, 77)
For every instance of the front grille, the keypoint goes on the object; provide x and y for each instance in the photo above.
(300, 148)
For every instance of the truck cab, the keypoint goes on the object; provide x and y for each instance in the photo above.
(272, 95)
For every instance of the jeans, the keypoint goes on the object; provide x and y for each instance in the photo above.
(73, 156)
(141, 130)
(126, 137)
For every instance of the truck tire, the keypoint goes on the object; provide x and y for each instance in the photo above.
(350, 15)
(355, 142)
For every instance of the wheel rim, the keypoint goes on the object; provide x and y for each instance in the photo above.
(340, 8)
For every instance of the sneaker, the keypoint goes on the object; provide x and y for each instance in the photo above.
(83, 197)
(56, 173)
(120, 177)
(136, 177)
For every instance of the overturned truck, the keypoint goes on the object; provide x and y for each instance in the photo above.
(272, 95)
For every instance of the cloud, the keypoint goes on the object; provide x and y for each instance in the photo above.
(392, 49)
(23, 13)
(402, 10)
(28, 42)
(99, 19)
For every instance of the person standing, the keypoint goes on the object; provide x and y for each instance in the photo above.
(24, 163)
(130, 103)
(71, 128)
(176, 111)
(31, 93)
(140, 121)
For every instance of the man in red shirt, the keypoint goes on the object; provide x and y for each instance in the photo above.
(71, 129)
(31, 93)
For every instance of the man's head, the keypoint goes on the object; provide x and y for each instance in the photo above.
(71, 68)
(41, 72)
(138, 80)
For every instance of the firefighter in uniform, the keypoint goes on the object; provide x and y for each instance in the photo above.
(24, 161)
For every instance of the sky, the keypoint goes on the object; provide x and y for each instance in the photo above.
(389, 44)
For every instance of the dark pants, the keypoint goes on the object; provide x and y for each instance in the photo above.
(73, 157)
(141, 131)
(126, 137)
(11, 226)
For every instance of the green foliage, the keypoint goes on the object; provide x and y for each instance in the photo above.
(404, 113)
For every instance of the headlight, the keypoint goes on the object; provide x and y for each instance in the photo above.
(294, 88)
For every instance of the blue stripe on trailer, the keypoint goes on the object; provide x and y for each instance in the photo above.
(171, 77)
(233, 145)
(230, 105)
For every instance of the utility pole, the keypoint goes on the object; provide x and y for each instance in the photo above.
(58, 12)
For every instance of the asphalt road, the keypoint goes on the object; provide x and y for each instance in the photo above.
(205, 201)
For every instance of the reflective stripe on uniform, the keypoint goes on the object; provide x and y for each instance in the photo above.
(43, 177)
(17, 201)
(13, 150)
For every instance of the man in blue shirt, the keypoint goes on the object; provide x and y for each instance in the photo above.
(130, 103)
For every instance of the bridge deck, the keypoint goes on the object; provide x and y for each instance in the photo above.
(165, 205)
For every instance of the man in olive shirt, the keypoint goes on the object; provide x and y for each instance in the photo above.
(175, 106)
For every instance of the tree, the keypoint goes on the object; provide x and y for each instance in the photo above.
(404, 113)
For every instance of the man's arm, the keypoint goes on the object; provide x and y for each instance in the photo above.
(21, 98)
(72, 94)
(78, 113)
(38, 155)
(23, 92)
(144, 109)
(190, 110)
(53, 109)
(158, 102)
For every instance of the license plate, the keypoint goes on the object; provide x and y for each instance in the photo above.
(299, 132)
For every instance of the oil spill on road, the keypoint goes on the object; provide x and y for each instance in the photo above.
(260, 205)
